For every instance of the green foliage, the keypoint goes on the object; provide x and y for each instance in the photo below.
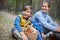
(12, 1)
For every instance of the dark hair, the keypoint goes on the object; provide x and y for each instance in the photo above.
(48, 3)
(26, 7)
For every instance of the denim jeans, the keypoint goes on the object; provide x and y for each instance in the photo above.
(48, 32)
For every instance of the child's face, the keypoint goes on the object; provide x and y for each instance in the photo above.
(45, 7)
(27, 14)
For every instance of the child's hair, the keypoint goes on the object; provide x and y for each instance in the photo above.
(47, 2)
(26, 7)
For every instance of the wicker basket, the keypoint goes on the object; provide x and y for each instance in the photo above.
(32, 36)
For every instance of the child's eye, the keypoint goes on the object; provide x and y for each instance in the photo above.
(28, 12)
(45, 6)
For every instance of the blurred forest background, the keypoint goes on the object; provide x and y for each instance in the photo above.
(16, 6)
(9, 9)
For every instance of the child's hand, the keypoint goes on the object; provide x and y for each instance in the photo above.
(24, 37)
(43, 35)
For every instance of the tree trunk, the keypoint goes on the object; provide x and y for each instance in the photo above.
(17, 6)
(1, 4)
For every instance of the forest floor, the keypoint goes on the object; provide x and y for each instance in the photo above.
(6, 21)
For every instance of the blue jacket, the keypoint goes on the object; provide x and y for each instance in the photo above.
(18, 27)
(44, 20)
(17, 23)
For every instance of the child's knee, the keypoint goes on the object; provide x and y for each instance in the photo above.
(13, 29)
